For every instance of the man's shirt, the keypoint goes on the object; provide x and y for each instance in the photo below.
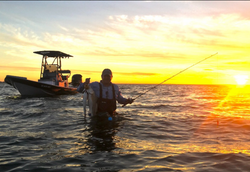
(107, 92)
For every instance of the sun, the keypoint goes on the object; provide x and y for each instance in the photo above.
(241, 79)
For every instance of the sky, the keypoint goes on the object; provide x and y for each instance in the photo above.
(142, 42)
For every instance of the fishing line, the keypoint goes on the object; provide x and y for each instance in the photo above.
(173, 76)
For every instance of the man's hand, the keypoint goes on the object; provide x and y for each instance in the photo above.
(86, 86)
(129, 101)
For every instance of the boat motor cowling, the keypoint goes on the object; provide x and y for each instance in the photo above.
(76, 80)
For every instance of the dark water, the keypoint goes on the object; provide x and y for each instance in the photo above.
(171, 128)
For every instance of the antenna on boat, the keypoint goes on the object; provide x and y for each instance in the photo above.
(173, 76)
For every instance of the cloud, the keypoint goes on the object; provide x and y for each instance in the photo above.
(93, 72)
(231, 65)
(137, 73)
(239, 65)
(19, 68)
(208, 69)
(138, 35)
(166, 35)
(158, 34)
(87, 72)
(20, 39)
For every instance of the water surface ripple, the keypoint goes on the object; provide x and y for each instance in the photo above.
(189, 128)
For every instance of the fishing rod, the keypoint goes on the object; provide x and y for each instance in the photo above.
(173, 76)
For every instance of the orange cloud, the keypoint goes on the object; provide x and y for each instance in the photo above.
(19, 68)
(154, 45)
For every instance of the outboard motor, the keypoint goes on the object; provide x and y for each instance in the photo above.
(76, 80)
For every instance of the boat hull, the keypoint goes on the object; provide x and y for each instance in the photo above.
(37, 89)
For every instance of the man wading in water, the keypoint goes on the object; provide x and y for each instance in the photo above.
(107, 94)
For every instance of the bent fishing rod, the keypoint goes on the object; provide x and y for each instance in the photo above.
(173, 76)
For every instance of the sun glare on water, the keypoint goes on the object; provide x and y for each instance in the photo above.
(241, 79)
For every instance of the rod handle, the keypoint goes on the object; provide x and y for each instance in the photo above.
(128, 103)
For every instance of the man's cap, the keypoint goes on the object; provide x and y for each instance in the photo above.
(107, 72)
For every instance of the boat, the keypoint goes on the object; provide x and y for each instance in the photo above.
(53, 80)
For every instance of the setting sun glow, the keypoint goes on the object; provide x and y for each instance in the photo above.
(142, 42)
(241, 79)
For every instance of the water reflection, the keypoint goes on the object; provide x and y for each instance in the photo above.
(235, 104)
(98, 135)
(226, 129)
(102, 133)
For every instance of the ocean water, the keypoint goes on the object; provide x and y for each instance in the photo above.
(189, 128)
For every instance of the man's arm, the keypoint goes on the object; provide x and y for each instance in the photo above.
(80, 88)
(121, 99)
(83, 86)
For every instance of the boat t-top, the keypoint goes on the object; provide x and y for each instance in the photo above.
(53, 80)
